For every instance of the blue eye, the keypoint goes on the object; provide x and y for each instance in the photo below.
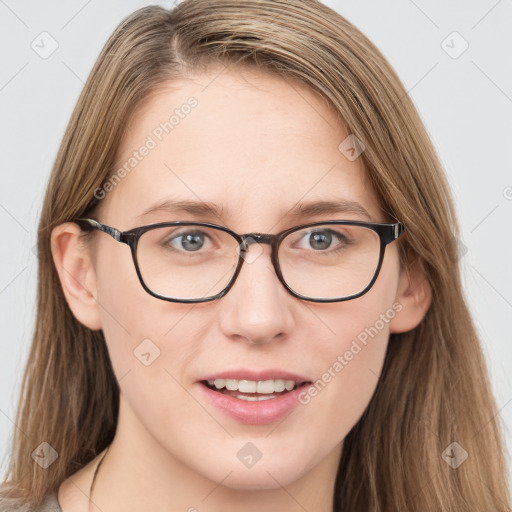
(322, 239)
(190, 241)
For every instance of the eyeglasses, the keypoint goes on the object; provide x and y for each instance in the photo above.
(329, 261)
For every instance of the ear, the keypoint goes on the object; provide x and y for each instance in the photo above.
(72, 259)
(414, 295)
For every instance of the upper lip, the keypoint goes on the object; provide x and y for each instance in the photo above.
(256, 375)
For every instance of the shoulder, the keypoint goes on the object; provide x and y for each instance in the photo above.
(49, 504)
(67, 494)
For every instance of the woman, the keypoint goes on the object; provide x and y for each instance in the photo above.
(287, 328)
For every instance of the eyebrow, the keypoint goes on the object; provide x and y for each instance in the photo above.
(197, 208)
(300, 210)
(330, 207)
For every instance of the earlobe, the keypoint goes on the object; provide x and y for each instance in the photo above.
(414, 295)
(73, 263)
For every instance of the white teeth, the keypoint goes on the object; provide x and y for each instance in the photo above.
(231, 384)
(289, 384)
(255, 398)
(266, 387)
(279, 385)
(246, 386)
(219, 383)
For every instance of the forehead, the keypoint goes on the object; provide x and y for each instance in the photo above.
(251, 143)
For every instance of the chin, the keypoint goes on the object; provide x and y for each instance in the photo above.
(247, 480)
(262, 475)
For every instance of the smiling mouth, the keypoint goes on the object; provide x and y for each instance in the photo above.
(253, 391)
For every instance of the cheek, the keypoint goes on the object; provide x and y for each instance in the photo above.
(350, 356)
(144, 334)
(348, 370)
(151, 344)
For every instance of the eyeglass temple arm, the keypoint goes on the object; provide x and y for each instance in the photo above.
(399, 229)
(91, 224)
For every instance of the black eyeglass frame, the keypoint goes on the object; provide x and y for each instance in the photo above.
(387, 233)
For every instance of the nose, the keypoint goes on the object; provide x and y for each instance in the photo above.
(258, 308)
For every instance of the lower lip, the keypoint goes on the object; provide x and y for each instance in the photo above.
(260, 412)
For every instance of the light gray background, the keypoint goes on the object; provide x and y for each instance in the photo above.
(465, 103)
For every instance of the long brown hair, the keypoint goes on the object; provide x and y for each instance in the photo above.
(434, 389)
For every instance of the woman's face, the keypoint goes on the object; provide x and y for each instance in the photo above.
(257, 147)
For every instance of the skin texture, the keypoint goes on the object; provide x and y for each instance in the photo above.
(255, 145)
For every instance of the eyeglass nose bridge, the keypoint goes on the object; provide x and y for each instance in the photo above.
(261, 238)
(257, 238)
